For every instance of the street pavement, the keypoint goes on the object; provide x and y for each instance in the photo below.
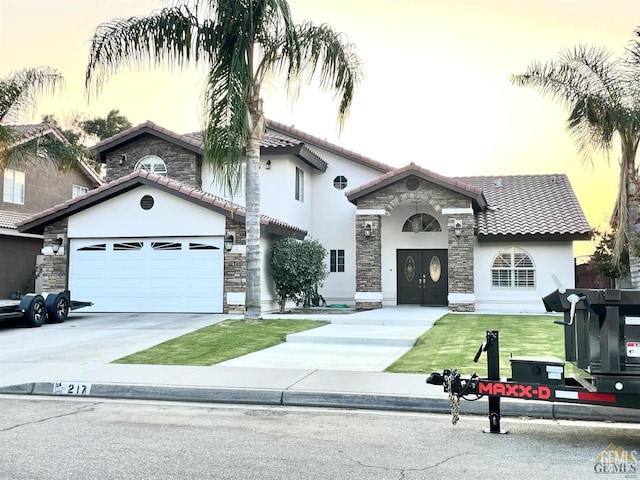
(338, 365)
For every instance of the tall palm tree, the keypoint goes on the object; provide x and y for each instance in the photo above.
(602, 96)
(240, 42)
(18, 93)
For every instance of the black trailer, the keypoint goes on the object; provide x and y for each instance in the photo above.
(602, 339)
(36, 308)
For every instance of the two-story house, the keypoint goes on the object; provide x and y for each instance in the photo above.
(162, 236)
(28, 187)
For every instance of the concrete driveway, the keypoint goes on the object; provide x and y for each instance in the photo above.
(95, 337)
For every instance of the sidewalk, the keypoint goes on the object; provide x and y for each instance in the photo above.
(332, 368)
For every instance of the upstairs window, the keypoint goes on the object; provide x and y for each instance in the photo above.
(14, 182)
(336, 261)
(513, 268)
(153, 164)
(299, 184)
(340, 182)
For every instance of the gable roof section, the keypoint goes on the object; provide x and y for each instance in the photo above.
(271, 144)
(529, 205)
(318, 142)
(474, 193)
(36, 223)
(27, 133)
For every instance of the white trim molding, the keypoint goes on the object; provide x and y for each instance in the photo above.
(372, 211)
(368, 297)
(461, 298)
(457, 211)
(9, 232)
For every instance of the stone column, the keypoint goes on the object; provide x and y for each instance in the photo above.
(368, 262)
(55, 267)
(461, 287)
(235, 269)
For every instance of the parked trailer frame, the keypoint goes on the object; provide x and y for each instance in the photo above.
(36, 308)
(602, 339)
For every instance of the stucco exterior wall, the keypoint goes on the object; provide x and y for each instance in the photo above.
(548, 257)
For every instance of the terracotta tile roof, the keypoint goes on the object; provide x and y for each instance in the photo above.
(36, 223)
(193, 141)
(458, 185)
(529, 205)
(356, 157)
(10, 219)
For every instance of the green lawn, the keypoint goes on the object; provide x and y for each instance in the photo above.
(454, 340)
(220, 342)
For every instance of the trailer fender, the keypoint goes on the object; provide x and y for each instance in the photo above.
(58, 305)
(35, 309)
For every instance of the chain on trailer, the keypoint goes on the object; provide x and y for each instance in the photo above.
(602, 338)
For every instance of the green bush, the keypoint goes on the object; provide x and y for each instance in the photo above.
(298, 269)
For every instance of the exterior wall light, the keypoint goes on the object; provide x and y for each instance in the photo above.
(367, 230)
(268, 165)
(56, 243)
(457, 228)
(228, 243)
(122, 159)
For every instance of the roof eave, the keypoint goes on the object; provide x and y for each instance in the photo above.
(538, 237)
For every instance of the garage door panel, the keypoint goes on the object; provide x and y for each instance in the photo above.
(148, 275)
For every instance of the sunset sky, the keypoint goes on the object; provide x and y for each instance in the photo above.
(436, 90)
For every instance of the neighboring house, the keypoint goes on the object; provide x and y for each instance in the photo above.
(27, 188)
(153, 239)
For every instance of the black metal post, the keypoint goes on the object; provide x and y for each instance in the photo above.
(493, 373)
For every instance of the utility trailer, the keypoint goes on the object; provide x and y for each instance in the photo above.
(36, 308)
(602, 339)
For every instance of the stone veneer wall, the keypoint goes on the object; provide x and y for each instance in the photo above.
(460, 263)
(55, 267)
(182, 165)
(235, 265)
(368, 260)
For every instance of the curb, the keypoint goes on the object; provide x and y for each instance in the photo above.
(301, 398)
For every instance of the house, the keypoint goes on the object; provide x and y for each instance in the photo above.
(162, 236)
(28, 187)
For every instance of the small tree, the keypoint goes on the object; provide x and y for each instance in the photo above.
(297, 269)
(603, 258)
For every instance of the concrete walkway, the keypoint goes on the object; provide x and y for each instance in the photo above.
(364, 341)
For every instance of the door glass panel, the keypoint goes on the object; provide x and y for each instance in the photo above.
(435, 269)
(409, 269)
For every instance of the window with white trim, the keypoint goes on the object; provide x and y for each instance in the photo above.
(336, 260)
(153, 164)
(78, 190)
(513, 268)
(14, 187)
(299, 184)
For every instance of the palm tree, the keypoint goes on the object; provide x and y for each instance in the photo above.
(240, 42)
(18, 93)
(602, 96)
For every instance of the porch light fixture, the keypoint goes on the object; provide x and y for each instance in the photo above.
(228, 243)
(56, 243)
(457, 228)
(367, 230)
(122, 159)
(268, 165)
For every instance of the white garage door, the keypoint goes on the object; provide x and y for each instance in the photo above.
(148, 274)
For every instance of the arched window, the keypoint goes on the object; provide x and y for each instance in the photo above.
(153, 164)
(513, 268)
(421, 222)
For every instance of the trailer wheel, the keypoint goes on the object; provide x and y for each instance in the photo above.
(58, 305)
(36, 311)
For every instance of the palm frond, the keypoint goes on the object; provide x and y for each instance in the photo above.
(169, 37)
(19, 90)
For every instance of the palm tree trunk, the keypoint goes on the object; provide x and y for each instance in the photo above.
(253, 301)
(629, 148)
